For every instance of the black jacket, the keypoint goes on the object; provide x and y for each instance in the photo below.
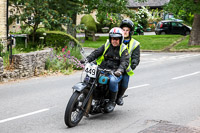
(135, 56)
(112, 58)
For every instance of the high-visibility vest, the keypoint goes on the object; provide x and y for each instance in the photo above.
(132, 45)
(106, 46)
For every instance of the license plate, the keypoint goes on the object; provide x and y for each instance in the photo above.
(91, 70)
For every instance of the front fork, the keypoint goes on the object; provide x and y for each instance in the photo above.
(88, 100)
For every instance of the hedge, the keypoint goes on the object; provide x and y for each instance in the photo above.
(60, 39)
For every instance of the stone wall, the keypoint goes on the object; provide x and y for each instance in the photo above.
(25, 65)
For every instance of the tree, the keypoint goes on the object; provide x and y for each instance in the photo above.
(188, 7)
(34, 12)
(72, 8)
(69, 8)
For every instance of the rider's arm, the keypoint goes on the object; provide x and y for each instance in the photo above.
(124, 61)
(135, 57)
(95, 54)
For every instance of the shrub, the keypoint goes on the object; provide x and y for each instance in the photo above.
(64, 60)
(59, 39)
(89, 22)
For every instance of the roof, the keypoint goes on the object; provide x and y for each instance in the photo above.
(150, 3)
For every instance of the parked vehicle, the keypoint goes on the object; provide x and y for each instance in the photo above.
(172, 27)
(138, 30)
(89, 96)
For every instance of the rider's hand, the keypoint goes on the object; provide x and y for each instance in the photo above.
(117, 73)
(82, 61)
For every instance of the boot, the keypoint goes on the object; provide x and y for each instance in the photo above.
(111, 104)
(120, 100)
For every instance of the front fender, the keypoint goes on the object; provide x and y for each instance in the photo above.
(79, 86)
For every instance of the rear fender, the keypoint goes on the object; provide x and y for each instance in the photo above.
(79, 86)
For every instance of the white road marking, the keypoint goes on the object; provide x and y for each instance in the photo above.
(145, 54)
(164, 58)
(138, 86)
(24, 115)
(183, 76)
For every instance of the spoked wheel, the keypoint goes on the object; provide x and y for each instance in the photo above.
(73, 112)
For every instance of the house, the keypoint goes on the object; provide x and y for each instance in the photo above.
(3, 19)
(153, 4)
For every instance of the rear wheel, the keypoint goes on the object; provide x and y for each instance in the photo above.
(73, 112)
(162, 33)
(187, 33)
(141, 33)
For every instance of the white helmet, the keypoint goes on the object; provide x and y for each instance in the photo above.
(116, 32)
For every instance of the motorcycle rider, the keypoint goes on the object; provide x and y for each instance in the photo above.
(112, 55)
(134, 52)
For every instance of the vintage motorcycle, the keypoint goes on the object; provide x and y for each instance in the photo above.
(89, 96)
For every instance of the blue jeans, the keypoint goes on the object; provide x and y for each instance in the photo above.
(113, 84)
(125, 80)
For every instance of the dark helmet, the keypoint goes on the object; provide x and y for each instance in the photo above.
(118, 33)
(128, 23)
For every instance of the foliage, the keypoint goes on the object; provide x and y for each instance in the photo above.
(112, 20)
(37, 13)
(142, 17)
(184, 9)
(1, 48)
(155, 15)
(89, 22)
(109, 9)
(60, 39)
(63, 60)
(30, 47)
(187, 17)
(80, 28)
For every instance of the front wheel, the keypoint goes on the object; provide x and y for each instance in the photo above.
(73, 112)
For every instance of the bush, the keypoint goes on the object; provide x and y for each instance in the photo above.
(64, 60)
(59, 39)
(89, 22)
(1, 50)
(142, 17)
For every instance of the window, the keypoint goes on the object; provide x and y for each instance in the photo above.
(180, 25)
(17, 21)
(21, 3)
(174, 24)
(30, 20)
(165, 24)
(11, 13)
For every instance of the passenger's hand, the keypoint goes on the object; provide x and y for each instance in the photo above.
(117, 73)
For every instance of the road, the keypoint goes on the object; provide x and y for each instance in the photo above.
(163, 97)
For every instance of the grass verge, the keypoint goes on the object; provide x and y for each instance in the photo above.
(149, 42)
(183, 46)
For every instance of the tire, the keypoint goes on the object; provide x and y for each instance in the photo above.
(187, 33)
(73, 113)
(162, 33)
(142, 33)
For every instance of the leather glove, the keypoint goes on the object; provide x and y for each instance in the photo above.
(82, 61)
(117, 73)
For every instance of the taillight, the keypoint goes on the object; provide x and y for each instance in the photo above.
(161, 25)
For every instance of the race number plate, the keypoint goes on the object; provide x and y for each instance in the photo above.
(91, 70)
